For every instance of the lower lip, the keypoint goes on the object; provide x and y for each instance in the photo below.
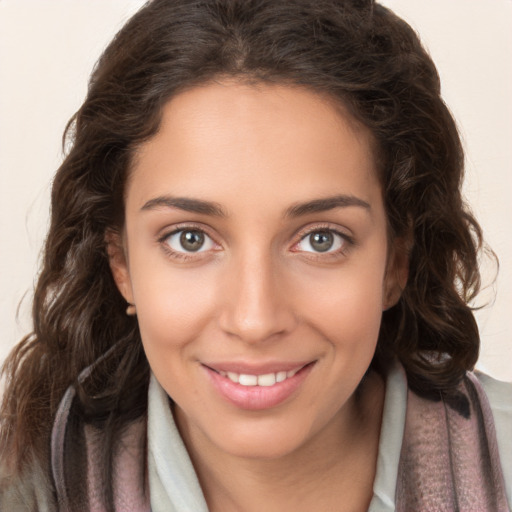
(256, 398)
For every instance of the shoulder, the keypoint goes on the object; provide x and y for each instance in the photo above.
(499, 395)
(450, 452)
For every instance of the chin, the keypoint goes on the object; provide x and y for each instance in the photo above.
(263, 440)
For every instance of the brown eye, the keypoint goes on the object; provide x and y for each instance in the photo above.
(322, 241)
(189, 241)
(192, 240)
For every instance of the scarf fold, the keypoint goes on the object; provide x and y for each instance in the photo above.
(76, 455)
(449, 461)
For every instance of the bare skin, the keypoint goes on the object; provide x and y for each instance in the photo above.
(335, 477)
(255, 240)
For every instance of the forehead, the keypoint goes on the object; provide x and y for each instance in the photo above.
(256, 141)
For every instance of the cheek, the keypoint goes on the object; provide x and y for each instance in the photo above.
(173, 305)
(347, 305)
(173, 309)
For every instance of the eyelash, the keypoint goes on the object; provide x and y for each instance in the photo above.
(347, 242)
(185, 256)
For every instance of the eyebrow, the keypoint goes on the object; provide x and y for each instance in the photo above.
(214, 209)
(187, 204)
(325, 204)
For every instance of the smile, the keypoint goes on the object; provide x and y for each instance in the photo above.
(265, 380)
(258, 388)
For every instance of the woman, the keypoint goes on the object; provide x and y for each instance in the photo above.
(255, 285)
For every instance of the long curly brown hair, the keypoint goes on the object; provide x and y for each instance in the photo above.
(359, 53)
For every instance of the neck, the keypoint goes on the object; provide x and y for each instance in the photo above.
(336, 466)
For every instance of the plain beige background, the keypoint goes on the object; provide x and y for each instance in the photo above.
(48, 48)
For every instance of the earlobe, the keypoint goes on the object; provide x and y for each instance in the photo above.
(397, 274)
(118, 264)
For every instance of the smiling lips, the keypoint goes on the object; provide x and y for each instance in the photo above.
(257, 391)
(267, 379)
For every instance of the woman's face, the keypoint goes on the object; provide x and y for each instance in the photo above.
(255, 251)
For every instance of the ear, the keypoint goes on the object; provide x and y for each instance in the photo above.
(397, 272)
(118, 264)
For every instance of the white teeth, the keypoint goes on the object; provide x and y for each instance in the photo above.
(233, 376)
(280, 376)
(248, 380)
(291, 373)
(266, 380)
(269, 379)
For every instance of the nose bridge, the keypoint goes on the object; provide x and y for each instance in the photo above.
(256, 307)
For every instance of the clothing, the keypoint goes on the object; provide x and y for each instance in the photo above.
(432, 455)
(424, 425)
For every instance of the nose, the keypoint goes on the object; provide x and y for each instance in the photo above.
(256, 305)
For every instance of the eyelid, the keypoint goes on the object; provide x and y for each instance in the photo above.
(300, 235)
(167, 232)
(205, 247)
(348, 240)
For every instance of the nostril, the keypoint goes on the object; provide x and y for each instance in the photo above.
(257, 325)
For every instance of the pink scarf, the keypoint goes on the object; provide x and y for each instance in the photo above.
(449, 459)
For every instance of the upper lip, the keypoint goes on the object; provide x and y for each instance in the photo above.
(256, 368)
